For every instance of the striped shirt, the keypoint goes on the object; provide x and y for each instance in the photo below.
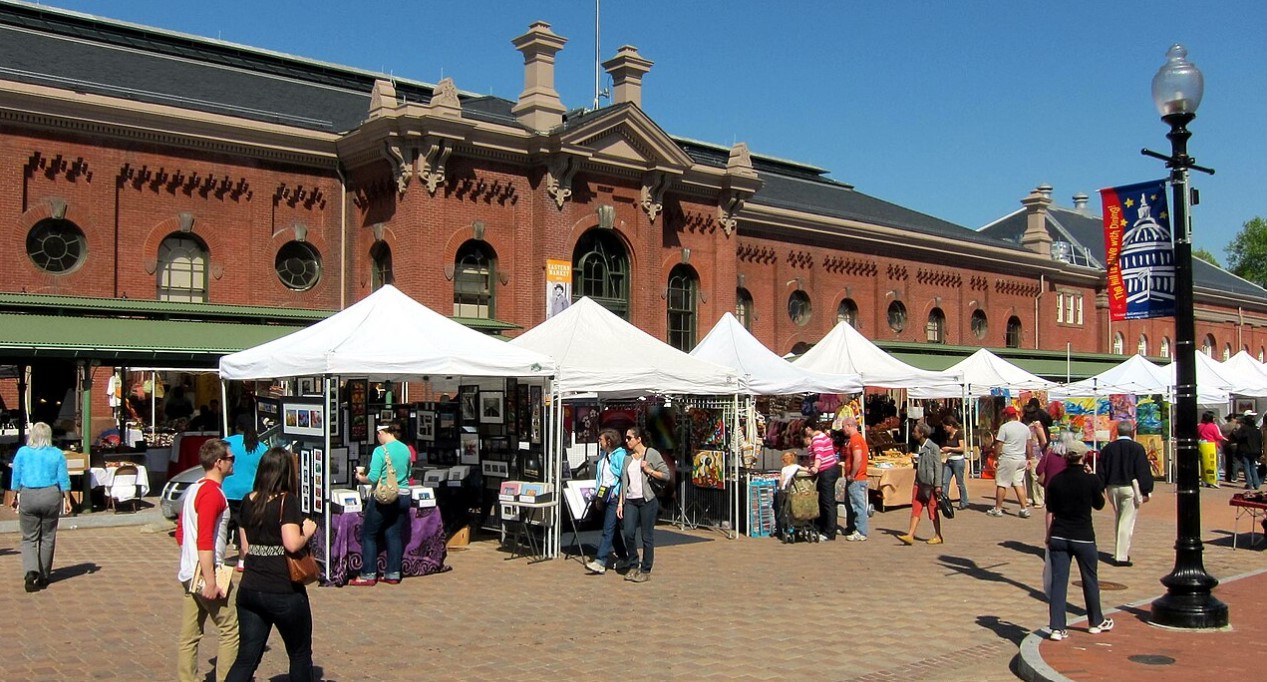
(824, 452)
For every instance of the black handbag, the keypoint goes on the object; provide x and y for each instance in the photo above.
(945, 507)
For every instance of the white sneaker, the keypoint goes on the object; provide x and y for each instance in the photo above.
(994, 512)
(1102, 627)
(1024, 513)
(595, 567)
(1057, 635)
(856, 537)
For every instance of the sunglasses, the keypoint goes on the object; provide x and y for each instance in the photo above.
(631, 437)
(227, 458)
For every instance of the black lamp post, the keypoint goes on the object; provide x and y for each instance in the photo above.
(1189, 601)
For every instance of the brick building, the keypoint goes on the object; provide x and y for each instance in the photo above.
(235, 193)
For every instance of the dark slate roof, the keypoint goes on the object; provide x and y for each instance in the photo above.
(718, 156)
(46, 46)
(1086, 231)
(838, 200)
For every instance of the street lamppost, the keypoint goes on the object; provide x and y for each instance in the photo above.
(1189, 601)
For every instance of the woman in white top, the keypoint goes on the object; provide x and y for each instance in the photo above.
(639, 505)
(607, 491)
(954, 450)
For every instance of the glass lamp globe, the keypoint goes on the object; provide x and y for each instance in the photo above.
(1178, 85)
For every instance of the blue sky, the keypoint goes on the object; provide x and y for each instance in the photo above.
(956, 109)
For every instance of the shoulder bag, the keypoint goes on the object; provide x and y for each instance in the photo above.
(302, 566)
(944, 506)
(387, 489)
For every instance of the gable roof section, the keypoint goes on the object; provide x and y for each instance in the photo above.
(1086, 230)
(58, 48)
(623, 135)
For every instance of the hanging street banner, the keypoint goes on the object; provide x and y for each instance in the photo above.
(1139, 252)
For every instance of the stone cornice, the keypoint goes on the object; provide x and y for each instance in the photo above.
(46, 108)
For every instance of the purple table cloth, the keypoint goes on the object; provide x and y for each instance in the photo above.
(425, 550)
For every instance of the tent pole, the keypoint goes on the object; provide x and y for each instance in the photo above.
(325, 479)
(224, 407)
(736, 449)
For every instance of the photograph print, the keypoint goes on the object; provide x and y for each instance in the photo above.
(491, 407)
(427, 425)
(469, 399)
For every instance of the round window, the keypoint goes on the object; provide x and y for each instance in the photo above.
(56, 246)
(298, 265)
(798, 308)
(897, 316)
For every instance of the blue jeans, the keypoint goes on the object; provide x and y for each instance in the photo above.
(390, 520)
(641, 514)
(258, 613)
(611, 539)
(954, 467)
(858, 502)
(1249, 463)
(1062, 552)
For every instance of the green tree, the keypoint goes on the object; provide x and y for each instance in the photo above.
(1206, 256)
(1247, 254)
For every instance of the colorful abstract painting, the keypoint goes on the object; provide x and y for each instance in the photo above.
(708, 469)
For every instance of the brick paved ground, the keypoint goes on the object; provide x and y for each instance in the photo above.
(743, 609)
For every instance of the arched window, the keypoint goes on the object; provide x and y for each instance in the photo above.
(799, 308)
(1012, 338)
(1165, 347)
(936, 327)
(1119, 343)
(1142, 347)
(683, 292)
(1227, 352)
(474, 270)
(298, 265)
(1207, 345)
(897, 316)
(980, 324)
(743, 308)
(600, 270)
(847, 311)
(381, 266)
(1262, 352)
(56, 246)
(182, 269)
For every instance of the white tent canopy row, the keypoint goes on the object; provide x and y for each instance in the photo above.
(980, 373)
(1138, 376)
(761, 371)
(598, 352)
(846, 351)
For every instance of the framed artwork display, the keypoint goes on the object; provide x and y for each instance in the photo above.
(304, 417)
(470, 448)
(358, 426)
(510, 412)
(334, 414)
(523, 411)
(469, 399)
(427, 426)
(535, 408)
(310, 386)
(339, 474)
(492, 407)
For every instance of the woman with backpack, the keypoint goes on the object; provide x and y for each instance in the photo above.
(390, 462)
(639, 506)
(606, 492)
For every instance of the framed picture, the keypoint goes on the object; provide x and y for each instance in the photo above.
(304, 417)
(386, 416)
(268, 412)
(339, 474)
(427, 426)
(510, 412)
(492, 468)
(535, 408)
(333, 415)
(523, 412)
(310, 386)
(492, 407)
(358, 427)
(470, 449)
(318, 480)
(469, 398)
(305, 481)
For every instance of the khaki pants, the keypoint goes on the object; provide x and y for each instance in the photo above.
(1122, 497)
(193, 617)
(1037, 494)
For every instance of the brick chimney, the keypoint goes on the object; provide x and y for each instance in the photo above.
(539, 106)
(627, 69)
(1036, 237)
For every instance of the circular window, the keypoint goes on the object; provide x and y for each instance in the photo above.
(897, 316)
(798, 308)
(55, 246)
(298, 265)
(980, 325)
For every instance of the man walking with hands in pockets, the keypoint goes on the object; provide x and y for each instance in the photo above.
(1128, 480)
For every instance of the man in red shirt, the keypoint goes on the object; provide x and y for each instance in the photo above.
(855, 456)
(201, 532)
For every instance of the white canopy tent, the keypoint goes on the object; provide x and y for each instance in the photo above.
(1249, 374)
(387, 336)
(597, 352)
(846, 351)
(1214, 386)
(981, 372)
(761, 371)
(1136, 376)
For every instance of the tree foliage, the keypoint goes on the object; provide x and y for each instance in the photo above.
(1206, 256)
(1247, 254)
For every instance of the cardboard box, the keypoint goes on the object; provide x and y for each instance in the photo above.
(460, 538)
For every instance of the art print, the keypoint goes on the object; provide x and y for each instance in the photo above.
(708, 469)
(303, 417)
(318, 480)
(339, 466)
(469, 400)
(470, 448)
(585, 424)
(491, 407)
(534, 400)
(511, 406)
(427, 426)
(358, 429)
(305, 481)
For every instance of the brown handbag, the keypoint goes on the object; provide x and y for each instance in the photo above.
(303, 567)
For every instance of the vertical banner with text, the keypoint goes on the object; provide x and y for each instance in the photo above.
(558, 286)
(1139, 253)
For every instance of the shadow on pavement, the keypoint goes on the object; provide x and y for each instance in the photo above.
(1004, 629)
(68, 572)
(970, 568)
(1024, 548)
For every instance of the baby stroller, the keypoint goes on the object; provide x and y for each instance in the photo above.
(798, 509)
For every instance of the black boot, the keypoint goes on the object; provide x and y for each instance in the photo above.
(32, 581)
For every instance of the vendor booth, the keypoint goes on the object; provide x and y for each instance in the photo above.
(762, 372)
(620, 376)
(386, 337)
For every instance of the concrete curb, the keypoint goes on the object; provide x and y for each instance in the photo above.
(1033, 668)
(144, 517)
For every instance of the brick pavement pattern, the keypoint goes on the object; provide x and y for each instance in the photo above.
(715, 608)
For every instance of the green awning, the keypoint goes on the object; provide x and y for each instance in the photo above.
(128, 339)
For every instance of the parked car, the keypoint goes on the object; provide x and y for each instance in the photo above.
(173, 496)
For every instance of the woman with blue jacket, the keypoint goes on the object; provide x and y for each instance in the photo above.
(606, 493)
(42, 483)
